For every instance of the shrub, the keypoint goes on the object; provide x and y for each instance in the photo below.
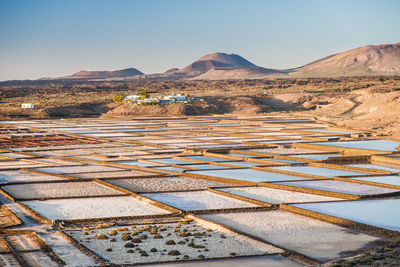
(130, 251)
(100, 236)
(153, 250)
(157, 236)
(144, 254)
(174, 253)
(143, 237)
(186, 257)
(113, 240)
(109, 249)
(113, 232)
(170, 242)
(201, 256)
(198, 246)
(222, 236)
(136, 240)
(118, 98)
(144, 94)
(129, 245)
(126, 237)
(233, 254)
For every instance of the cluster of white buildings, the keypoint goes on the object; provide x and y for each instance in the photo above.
(158, 100)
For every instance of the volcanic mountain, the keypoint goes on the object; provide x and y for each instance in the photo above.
(362, 61)
(84, 74)
(216, 61)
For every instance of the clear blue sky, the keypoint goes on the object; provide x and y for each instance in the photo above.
(48, 38)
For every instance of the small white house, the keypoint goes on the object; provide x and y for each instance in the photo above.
(133, 98)
(27, 105)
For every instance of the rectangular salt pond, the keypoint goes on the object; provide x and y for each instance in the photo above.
(249, 175)
(199, 200)
(281, 160)
(164, 184)
(57, 190)
(382, 145)
(310, 237)
(275, 196)
(136, 163)
(77, 169)
(394, 169)
(217, 247)
(316, 156)
(243, 163)
(171, 161)
(342, 187)
(318, 171)
(90, 208)
(206, 158)
(24, 177)
(383, 213)
(389, 180)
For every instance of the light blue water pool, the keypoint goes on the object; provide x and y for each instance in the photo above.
(250, 175)
(317, 171)
(390, 180)
(382, 213)
(316, 156)
(381, 145)
(206, 158)
(376, 167)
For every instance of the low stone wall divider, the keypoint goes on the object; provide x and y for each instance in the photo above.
(309, 191)
(311, 176)
(348, 168)
(238, 197)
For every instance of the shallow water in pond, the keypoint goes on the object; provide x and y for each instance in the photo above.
(250, 175)
(318, 171)
(390, 180)
(206, 158)
(135, 163)
(377, 167)
(382, 145)
(316, 156)
(381, 213)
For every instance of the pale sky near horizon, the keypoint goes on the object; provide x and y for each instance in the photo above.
(50, 38)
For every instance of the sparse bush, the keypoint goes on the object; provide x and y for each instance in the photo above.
(100, 236)
(170, 242)
(118, 98)
(157, 236)
(174, 253)
(126, 237)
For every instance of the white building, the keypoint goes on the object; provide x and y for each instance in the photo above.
(133, 98)
(27, 105)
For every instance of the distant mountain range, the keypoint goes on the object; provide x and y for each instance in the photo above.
(363, 61)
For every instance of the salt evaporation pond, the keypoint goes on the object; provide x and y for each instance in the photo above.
(206, 158)
(390, 180)
(318, 171)
(383, 213)
(342, 187)
(316, 156)
(275, 196)
(377, 167)
(382, 145)
(310, 237)
(89, 208)
(198, 200)
(250, 175)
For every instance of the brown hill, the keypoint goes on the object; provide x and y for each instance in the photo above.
(84, 74)
(216, 61)
(362, 61)
(250, 73)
